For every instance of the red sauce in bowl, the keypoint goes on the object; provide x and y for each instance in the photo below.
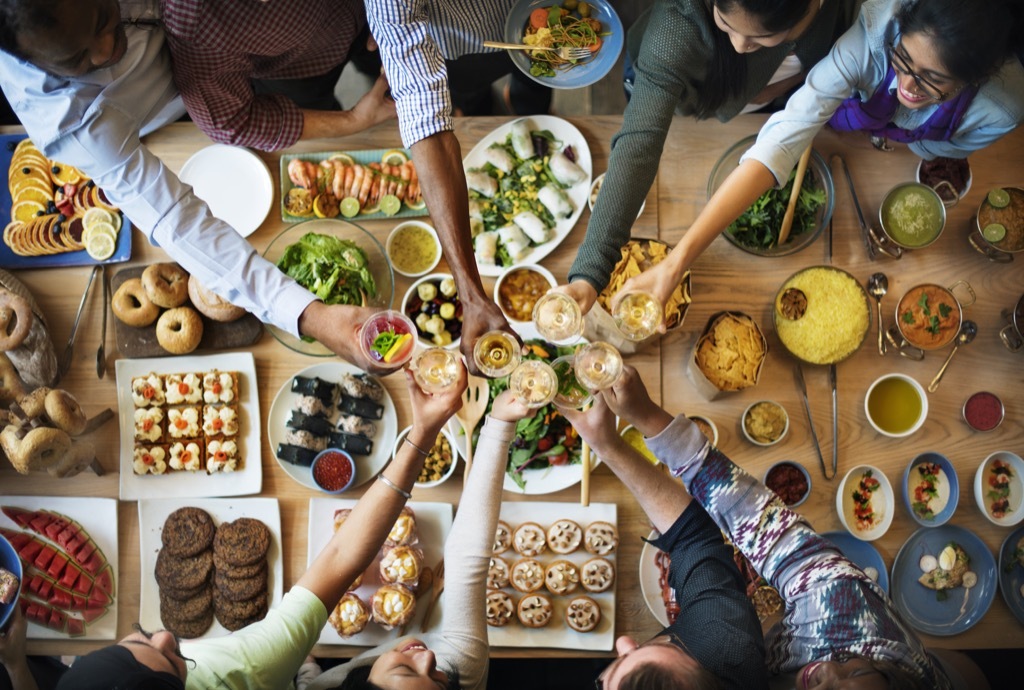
(789, 482)
(333, 470)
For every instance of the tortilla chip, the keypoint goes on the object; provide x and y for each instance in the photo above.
(730, 352)
(637, 257)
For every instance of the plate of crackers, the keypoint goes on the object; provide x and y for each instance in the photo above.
(209, 566)
(55, 215)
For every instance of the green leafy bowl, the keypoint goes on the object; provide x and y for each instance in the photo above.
(818, 178)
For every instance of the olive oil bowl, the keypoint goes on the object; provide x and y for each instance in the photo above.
(896, 405)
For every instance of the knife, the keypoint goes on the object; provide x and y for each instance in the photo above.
(799, 372)
(835, 420)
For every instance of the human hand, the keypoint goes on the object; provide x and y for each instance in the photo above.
(582, 292)
(660, 281)
(376, 105)
(12, 640)
(431, 411)
(337, 326)
(596, 426)
(477, 318)
(628, 398)
(508, 408)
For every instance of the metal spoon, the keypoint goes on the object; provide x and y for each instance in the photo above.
(968, 330)
(878, 285)
(101, 355)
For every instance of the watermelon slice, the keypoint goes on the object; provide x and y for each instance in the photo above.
(60, 598)
(17, 539)
(105, 580)
(70, 578)
(46, 554)
(56, 568)
(84, 552)
(39, 523)
(67, 536)
(92, 614)
(76, 627)
(58, 525)
(19, 515)
(43, 614)
(94, 564)
(84, 584)
(99, 599)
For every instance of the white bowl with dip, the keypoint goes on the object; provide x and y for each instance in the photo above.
(765, 407)
(1011, 475)
(881, 504)
(888, 401)
(515, 292)
(413, 248)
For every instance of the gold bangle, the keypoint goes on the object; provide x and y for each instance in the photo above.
(394, 487)
(422, 452)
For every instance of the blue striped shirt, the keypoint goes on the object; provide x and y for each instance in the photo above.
(415, 38)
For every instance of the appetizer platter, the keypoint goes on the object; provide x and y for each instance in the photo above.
(932, 587)
(330, 404)
(553, 576)
(427, 525)
(1011, 572)
(163, 417)
(528, 184)
(153, 516)
(241, 199)
(71, 590)
(47, 209)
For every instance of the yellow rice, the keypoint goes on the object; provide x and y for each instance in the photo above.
(836, 319)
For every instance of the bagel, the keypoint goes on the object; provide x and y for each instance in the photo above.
(166, 285)
(64, 411)
(34, 403)
(179, 330)
(38, 450)
(132, 305)
(210, 304)
(15, 320)
(11, 387)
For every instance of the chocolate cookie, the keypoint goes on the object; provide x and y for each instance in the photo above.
(183, 594)
(242, 542)
(240, 589)
(183, 610)
(183, 573)
(240, 610)
(188, 629)
(236, 571)
(234, 624)
(188, 531)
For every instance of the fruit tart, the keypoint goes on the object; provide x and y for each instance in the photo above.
(393, 606)
(403, 532)
(402, 565)
(535, 610)
(597, 575)
(529, 540)
(497, 573)
(562, 577)
(527, 575)
(601, 538)
(500, 608)
(583, 614)
(350, 616)
(502, 538)
(564, 536)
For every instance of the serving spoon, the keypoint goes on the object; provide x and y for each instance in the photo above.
(878, 285)
(968, 330)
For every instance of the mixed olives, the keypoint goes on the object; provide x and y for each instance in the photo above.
(436, 310)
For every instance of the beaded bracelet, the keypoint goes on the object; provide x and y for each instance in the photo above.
(394, 487)
(422, 452)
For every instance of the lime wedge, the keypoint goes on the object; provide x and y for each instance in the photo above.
(993, 232)
(390, 205)
(100, 246)
(350, 207)
(999, 198)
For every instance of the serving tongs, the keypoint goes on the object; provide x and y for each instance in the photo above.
(799, 372)
(65, 360)
(865, 229)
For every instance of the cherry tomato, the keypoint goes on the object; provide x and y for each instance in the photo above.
(560, 459)
(545, 444)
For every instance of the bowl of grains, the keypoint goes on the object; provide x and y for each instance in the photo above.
(821, 315)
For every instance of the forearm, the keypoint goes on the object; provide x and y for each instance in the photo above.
(21, 677)
(662, 501)
(321, 124)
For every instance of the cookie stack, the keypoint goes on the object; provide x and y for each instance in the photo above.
(183, 569)
(240, 594)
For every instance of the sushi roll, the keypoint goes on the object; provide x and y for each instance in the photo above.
(533, 226)
(522, 141)
(481, 183)
(362, 407)
(351, 444)
(311, 405)
(351, 424)
(498, 156)
(316, 387)
(318, 426)
(305, 439)
(485, 246)
(565, 171)
(555, 200)
(361, 386)
(295, 455)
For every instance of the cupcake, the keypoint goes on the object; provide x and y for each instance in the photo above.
(402, 565)
(393, 606)
(350, 616)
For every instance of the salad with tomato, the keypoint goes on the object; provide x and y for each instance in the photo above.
(546, 439)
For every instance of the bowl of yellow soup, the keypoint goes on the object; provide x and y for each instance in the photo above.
(896, 405)
(413, 248)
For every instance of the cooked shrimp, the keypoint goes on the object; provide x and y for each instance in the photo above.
(413, 196)
(358, 172)
(365, 186)
(378, 183)
(404, 176)
(302, 173)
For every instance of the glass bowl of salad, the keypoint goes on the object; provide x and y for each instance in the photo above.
(605, 36)
(756, 231)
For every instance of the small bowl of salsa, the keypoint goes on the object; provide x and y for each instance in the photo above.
(790, 481)
(333, 470)
(518, 289)
(413, 248)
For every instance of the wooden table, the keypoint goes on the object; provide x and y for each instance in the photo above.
(722, 279)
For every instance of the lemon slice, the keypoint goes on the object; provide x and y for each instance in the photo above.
(417, 205)
(390, 205)
(100, 246)
(96, 215)
(394, 157)
(98, 229)
(350, 207)
(999, 198)
(299, 202)
(325, 206)
(343, 157)
(993, 232)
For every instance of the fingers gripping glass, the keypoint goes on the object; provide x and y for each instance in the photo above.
(666, 639)
(900, 64)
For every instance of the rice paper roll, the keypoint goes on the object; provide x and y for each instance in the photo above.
(481, 183)
(498, 156)
(565, 171)
(512, 234)
(555, 200)
(518, 250)
(476, 209)
(533, 226)
(522, 142)
(485, 246)
(476, 226)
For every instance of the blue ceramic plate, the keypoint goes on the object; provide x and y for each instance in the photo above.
(950, 486)
(920, 606)
(861, 553)
(1011, 574)
(583, 74)
(8, 259)
(9, 561)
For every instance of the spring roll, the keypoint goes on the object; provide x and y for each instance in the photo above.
(485, 246)
(476, 226)
(565, 171)
(498, 156)
(518, 250)
(533, 226)
(481, 183)
(555, 200)
(511, 233)
(522, 142)
(476, 209)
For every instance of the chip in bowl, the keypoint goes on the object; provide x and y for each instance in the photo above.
(730, 353)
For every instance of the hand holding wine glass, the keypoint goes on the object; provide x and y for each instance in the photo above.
(534, 383)
(558, 317)
(638, 314)
(497, 353)
(435, 369)
(598, 365)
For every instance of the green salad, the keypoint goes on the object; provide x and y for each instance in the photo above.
(335, 270)
(758, 226)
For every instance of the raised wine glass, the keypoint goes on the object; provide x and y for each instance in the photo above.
(570, 392)
(638, 315)
(558, 317)
(597, 365)
(534, 383)
(497, 353)
(435, 369)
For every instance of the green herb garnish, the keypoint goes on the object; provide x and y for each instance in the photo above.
(944, 309)
(908, 316)
(923, 303)
(933, 325)
(383, 343)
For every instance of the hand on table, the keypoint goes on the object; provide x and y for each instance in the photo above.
(479, 317)
(337, 327)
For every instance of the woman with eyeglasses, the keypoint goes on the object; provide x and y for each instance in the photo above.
(943, 77)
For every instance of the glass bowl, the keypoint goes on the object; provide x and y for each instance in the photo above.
(379, 265)
(822, 178)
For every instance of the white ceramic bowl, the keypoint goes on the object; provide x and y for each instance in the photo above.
(746, 434)
(415, 224)
(427, 340)
(504, 274)
(714, 427)
(451, 468)
(596, 186)
(924, 406)
(1015, 481)
(882, 501)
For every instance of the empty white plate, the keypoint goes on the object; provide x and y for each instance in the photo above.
(235, 182)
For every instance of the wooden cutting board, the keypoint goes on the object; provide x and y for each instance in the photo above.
(217, 335)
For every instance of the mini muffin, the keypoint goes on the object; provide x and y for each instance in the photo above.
(186, 456)
(500, 608)
(149, 460)
(402, 565)
(597, 575)
(562, 577)
(403, 532)
(220, 420)
(148, 391)
(564, 536)
(601, 538)
(183, 389)
(497, 573)
(350, 616)
(527, 575)
(220, 387)
(182, 423)
(583, 614)
(502, 538)
(529, 540)
(221, 456)
(149, 427)
(535, 610)
(393, 606)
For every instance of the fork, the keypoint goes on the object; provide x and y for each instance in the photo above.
(565, 52)
(438, 589)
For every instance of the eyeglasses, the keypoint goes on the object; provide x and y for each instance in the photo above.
(666, 639)
(899, 63)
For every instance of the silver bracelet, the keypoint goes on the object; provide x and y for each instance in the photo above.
(394, 487)
(422, 452)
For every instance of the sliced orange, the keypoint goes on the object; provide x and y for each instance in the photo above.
(26, 210)
(65, 174)
(31, 193)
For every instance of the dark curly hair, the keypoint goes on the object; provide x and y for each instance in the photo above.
(665, 677)
(17, 16)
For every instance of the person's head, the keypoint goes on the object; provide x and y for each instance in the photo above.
(142, 660)
(408, 666)
(855, 673)
(660, 663)
(943, 45)
(67, 38)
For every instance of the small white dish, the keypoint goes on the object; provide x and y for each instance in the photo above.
(234, 182)
(536, 268)
(402, 227)
(920, 393)
(747, 434)
(596, 187)
(1013, 474)
(867, 527)
(451, 467)
(425, 338)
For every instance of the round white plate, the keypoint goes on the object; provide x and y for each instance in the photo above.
(367, 466)
(649, 586)
(579, 193)
(235, 182)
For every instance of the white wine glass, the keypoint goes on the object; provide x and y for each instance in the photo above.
(638, 315)
(570, 392)
(435, 369)
(598, 365)
(558, 317)
(497, 353)
(534, 383)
